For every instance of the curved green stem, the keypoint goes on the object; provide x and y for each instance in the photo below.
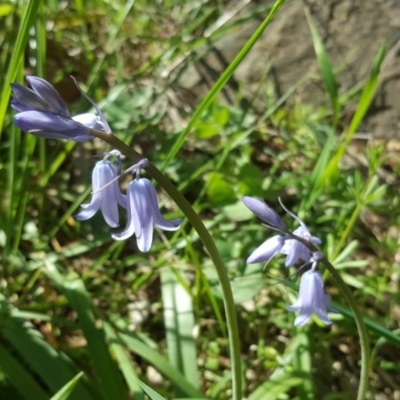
(362, 329)
(191, 215)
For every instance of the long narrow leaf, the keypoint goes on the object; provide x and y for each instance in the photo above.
(124, 362)
(19, 377)
(105, 369)
(362, 108)
(179, 325)
(325, 67)
(54, 368)
(222, 81)
(274, 388)
(66, 390)
(160, 363)
(149, 391)
(27, 21)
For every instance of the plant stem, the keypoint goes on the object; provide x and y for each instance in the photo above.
(191, 215)
(362, 330)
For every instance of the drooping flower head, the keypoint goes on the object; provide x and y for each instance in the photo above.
(293, 249)
(106, 194)
(43, 113)
(312, 298)
(144, 214)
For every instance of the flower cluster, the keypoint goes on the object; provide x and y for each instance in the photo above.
(42, 112)
(312, 297)
(140, 202)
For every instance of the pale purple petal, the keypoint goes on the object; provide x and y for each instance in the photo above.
(31, 121)
(159, 220)
(89, 120)
(315, 241)
(109, 204)
(26, 99)
(267, 250)
(143, 214)
(43, 113)
(105, 194)
(144, 221)
(263, 211)
(295, 251)
(89, 209)
(49, 95)
(302, 318)
(312, 299)
(130, 227)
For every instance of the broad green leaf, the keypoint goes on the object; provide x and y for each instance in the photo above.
(219, 190)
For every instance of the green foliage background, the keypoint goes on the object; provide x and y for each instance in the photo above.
(73, 301)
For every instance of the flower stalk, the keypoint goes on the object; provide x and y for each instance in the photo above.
(209, 244)
(362, 329)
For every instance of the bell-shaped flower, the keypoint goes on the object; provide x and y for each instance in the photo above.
(144, 214)
(106, 196)
(312, 299)
(43, 113)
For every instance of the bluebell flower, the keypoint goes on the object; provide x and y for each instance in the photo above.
(43, 113)
(144, 214)
(106, 195)
(294, 250)
(266, 213)
(312, 299)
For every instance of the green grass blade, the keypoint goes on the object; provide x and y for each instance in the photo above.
(274, 388)
(368, 93)
(15, 66)
(365, 101)
(160, 363)
(19, 377)
(302, 362)
(179, 324)
(149, 391)
(325, 67)
(66, 390)
(222, 81)
(125, 363)
(54, 368)
(318, 173)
